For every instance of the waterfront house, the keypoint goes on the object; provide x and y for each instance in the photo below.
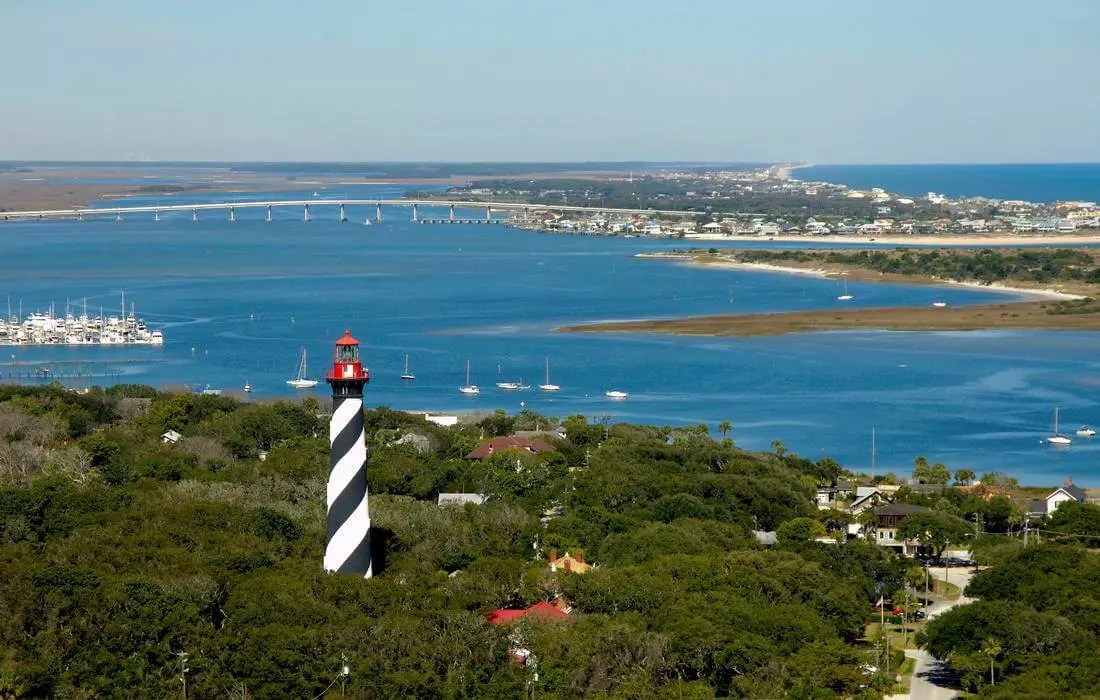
(1064, 493)
(712, 227)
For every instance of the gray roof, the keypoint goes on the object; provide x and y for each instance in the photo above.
(1077, 492)
(1037, 506)
(458, 499)
(766, 538)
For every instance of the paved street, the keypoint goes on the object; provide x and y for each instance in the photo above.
(931, 680)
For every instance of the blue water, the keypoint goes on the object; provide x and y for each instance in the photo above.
(1035, 182)
(238, 301)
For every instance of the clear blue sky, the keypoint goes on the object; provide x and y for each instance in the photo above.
(715, 80)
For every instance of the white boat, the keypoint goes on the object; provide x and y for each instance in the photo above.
(247, 388)
(469, 389)
(1085, 431)
(1057, 439)
(407, 376)
(845, 296)
(301, 381)
(510, 386)
(616, 394)
(939, 304)
(548, 386)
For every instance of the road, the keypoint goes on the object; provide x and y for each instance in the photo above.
(931, 679)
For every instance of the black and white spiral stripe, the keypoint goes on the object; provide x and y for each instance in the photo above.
(348, 548)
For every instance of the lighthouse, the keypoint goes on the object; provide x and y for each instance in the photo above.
(347, 548)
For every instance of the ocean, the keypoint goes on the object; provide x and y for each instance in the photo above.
(238, 301)
(1035, 182)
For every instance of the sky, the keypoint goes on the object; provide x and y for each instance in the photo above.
(841, 81)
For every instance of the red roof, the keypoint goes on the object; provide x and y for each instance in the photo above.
(539, 611)
(509, 442)
(347, 339)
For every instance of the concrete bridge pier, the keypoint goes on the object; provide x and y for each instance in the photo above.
(194, 214)
(488, 213)
(232, 215)
(80, 216)
(343, 217)
(305, 213)
(452, 212)
(156, 215)
(377, 212)
(118, 216)
(269, 219)
(416, 213)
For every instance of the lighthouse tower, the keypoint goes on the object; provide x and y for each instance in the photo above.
(348, 545)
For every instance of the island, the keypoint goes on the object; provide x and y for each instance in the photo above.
(1061, 283)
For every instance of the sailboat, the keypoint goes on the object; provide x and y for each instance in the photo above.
(548, 386)
(469, 389)
(845, 296)
(300, 381)
(1056, 439)
(409, 376)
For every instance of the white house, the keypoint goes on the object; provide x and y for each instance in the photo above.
(1060, 495)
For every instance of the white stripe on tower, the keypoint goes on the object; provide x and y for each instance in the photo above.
(348, 548)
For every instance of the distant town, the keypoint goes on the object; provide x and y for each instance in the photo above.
(767, 201)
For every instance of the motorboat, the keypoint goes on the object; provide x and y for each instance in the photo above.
(301, 381)
(939, 304)
(1086, 432)
(616, 394)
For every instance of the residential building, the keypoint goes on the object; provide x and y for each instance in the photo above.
(509, 442)
(1064, 493)
(573, 564)
(887, 521)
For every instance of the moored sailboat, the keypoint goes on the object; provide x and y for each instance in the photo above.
(301, 381)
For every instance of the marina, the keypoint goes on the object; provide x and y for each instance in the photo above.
(51, 328)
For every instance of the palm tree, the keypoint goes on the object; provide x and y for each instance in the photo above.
(779, 448)
(991, 648)
(724, 427)
(964, 476)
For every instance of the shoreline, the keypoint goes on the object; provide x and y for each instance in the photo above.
(926, 240)
(864, 276)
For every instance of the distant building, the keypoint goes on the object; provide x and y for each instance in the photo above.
(509, 442)
(1064, 493)
(887, 521)
(171, 437)
(539, 612)
(574, 564)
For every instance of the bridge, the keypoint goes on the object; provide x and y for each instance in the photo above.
(340, 205)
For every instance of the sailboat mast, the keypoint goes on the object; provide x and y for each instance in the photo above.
(873, 452)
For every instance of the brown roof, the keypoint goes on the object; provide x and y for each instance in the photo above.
(509, 442)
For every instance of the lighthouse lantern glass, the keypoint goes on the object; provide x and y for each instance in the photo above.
(347, 354)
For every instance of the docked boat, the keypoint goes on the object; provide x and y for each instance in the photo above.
(1085, 432)
(616, 394)
(408, 376)
(1057, 439)
(301, 380)
(548, 386)
(469, 389)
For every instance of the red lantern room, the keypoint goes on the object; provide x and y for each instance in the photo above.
(346, 365)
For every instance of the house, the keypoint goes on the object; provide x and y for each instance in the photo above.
(1065, 492)
(887, 521)
(171, 437)
(573, 564)
(445, 421)
(539, 612)
(460, 499)
(509, 442)
(712, 227)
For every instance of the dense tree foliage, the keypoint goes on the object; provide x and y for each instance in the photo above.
(1035, 626)
(120, 553)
